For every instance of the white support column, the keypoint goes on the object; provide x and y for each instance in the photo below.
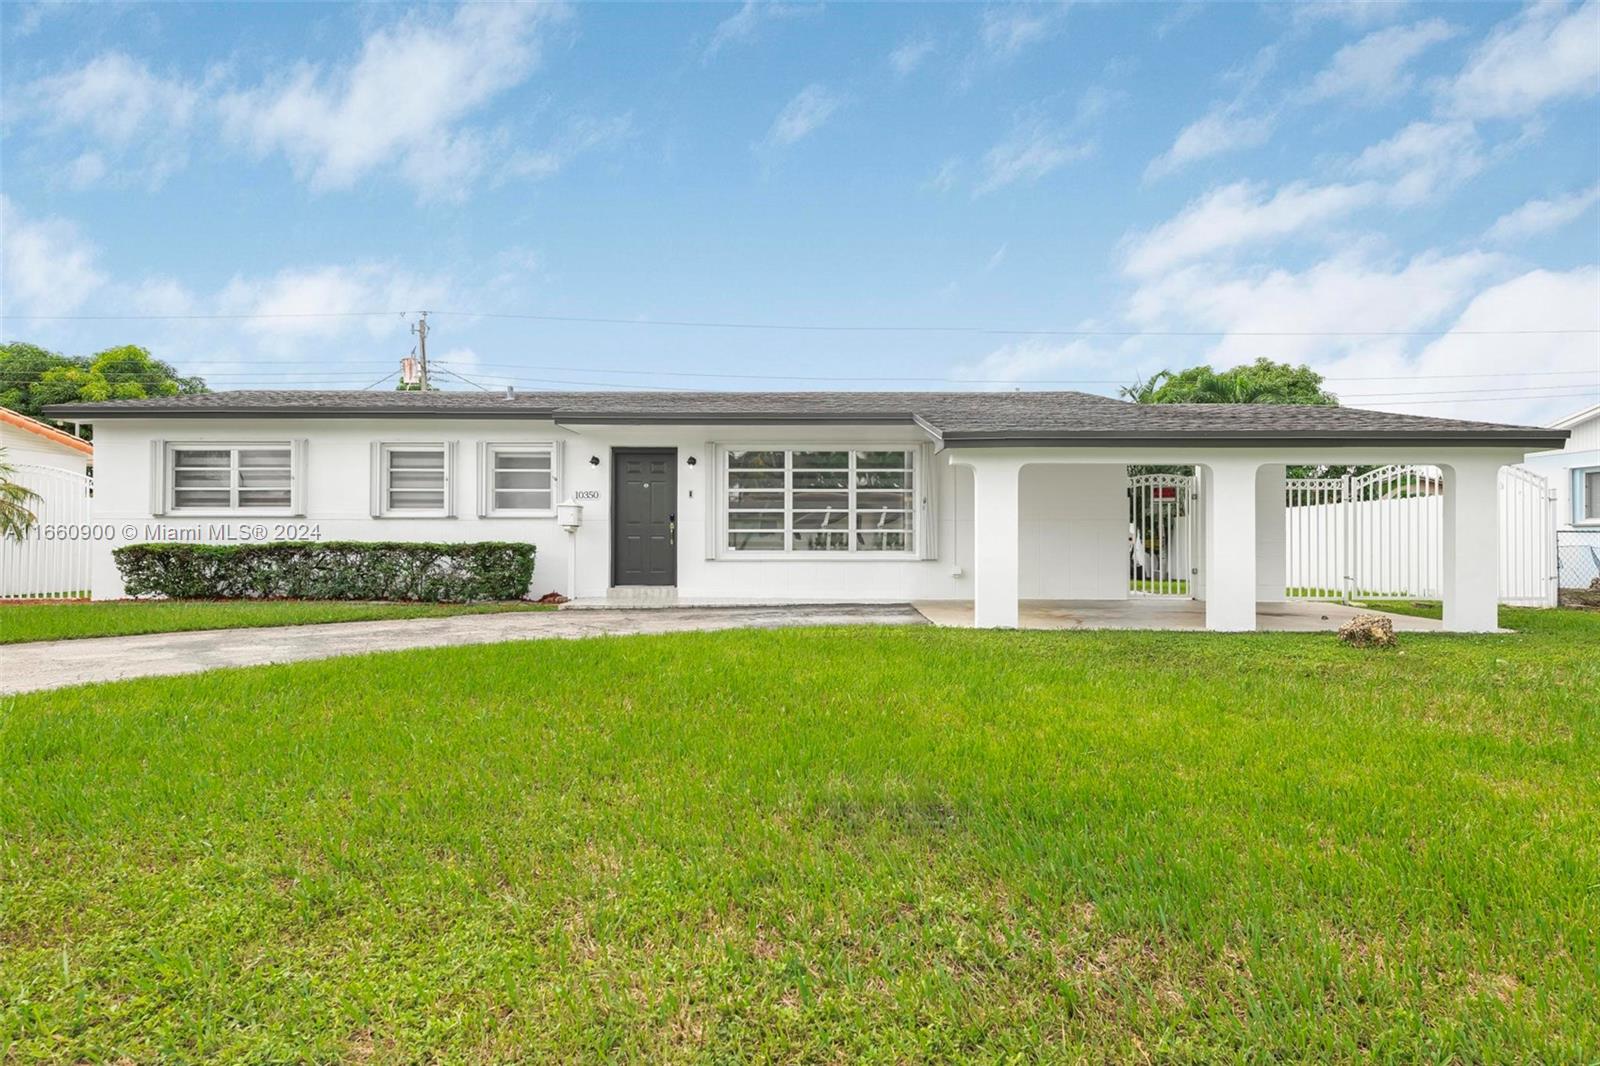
(1272, 535)
(995, 483)
(1231, 545)
(1471, 546)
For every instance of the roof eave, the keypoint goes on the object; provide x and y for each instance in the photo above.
(732, 419)
(95, 411)
(1348, 439)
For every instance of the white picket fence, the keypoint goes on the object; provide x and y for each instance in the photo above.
(1381, 536)
(52, 560)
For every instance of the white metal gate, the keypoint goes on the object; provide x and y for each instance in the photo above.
(1528, 568)
(52, 560)
(1380, 535)
(1164, 534)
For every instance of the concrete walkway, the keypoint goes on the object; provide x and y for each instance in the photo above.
(54, 663)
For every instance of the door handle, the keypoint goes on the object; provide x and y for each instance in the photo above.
(672, 530)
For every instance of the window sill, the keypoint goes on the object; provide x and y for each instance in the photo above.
(821, 557)
(433, 515)
(230, 514)
(519, 514)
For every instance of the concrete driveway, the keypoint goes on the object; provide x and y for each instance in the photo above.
(56, 663)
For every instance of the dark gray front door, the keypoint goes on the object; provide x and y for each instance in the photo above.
(644, 538)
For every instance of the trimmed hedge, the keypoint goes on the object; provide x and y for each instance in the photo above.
(329, 570)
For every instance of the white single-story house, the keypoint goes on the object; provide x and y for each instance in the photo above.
(991, 498)
(1574, 470)
(30, 442)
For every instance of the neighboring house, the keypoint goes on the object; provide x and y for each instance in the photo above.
(28, 441)
(54, 466)
(1574, 471)
(781, 497)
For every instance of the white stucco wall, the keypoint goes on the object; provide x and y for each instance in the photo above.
(1073, 525)
(337, 501)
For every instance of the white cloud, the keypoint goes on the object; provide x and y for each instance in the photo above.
(1546, 52)
(1374, 68)
(140, 119)
(1029, 359)
(1534, 300)
(809, 110)
(1350, 12)
(911, 54)
(326, 301)
(50, 268)
(744, 25)
(1542, 216)
(946, 177)
(1423, 160)
(399, 103)
(581, 135)
(1223, 129)
(1034, 149)
(1241, 214)
(996, 259)
(1009, 30)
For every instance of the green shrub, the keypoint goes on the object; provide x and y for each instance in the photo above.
(329, 570)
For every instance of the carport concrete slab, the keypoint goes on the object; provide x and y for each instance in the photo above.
(1169, 614)
(55, 663)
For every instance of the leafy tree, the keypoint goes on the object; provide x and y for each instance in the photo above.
(31, 377)
(1260, 382)
(15, 517)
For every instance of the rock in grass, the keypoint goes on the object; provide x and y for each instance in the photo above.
(1368, 631)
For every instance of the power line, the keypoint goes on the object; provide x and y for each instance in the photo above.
(829, 328)
(808, 327)
(971, 381)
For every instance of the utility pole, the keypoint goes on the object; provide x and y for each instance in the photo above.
(420, 328)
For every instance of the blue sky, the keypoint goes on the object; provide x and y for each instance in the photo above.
(1159, 184)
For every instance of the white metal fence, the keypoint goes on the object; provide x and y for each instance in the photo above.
(1380, 535)
(1164, 527)
(52, 560)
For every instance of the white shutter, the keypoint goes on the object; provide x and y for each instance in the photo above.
(713, 498)
(158, 477)
(450, 478)
(484, 474)
(297, 477)
(927, 482)
(377, 479)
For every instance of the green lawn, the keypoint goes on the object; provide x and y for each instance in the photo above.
(121, 618)
(889, 845)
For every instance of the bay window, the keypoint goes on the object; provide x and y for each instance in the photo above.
(821, 500)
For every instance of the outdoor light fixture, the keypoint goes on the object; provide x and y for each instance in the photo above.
(691, 460)
(594, 460)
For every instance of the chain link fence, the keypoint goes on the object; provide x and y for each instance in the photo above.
(1577, 558)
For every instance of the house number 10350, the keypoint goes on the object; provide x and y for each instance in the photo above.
(586, 494)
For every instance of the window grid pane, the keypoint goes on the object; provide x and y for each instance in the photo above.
(1591, 494)
(521, 479)
(414, 478)
(231, 478)
(805, 500)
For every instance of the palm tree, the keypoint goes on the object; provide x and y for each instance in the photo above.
(15, 518)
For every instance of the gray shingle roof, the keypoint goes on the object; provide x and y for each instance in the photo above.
(970, 418)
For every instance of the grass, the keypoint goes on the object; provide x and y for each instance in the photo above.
(120, 618)
(877, 845)
(1159, 586)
